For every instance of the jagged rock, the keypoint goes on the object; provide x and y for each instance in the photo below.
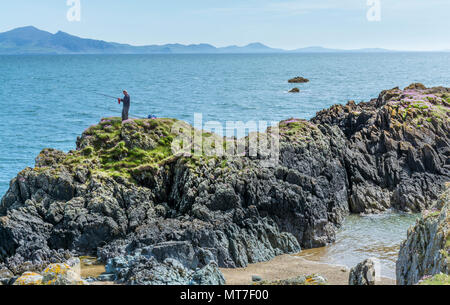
(5, 275)
(298, 79)
(363, 274)
(397, 153)
(208, 275)
(425, 252)
(143, 269)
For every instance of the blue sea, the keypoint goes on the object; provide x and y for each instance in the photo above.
(47, 101)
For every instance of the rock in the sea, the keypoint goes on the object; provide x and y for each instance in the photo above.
(363, 274)
(425, 252)
(298, 79)
(294, 90)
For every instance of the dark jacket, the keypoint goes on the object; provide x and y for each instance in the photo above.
(126, 101)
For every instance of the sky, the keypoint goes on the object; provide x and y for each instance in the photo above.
(288, 24)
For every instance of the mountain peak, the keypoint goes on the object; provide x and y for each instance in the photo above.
(27, 33)
(26, 29)
(257, 45)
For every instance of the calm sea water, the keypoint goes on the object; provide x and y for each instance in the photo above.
(363, 237)
(47, 101)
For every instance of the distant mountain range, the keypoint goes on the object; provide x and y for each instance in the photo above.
(30, 40)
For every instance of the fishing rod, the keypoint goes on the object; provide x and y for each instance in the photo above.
(110, 96)
(98, 93)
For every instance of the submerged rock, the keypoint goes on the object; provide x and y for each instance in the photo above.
(363, 274)
(425, 252)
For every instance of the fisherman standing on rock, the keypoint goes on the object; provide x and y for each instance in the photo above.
(126, 105)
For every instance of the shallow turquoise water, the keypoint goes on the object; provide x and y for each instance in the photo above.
(372, 236)
(47, 100)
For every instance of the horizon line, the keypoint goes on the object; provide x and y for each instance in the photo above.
(280, 49)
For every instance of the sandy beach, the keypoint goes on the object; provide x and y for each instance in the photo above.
(290, 266)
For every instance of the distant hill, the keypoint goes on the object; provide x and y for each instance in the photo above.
(30, 40)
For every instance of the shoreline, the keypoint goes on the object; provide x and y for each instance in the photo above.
(290, 266)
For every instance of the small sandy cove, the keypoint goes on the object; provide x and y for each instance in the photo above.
(290, 266)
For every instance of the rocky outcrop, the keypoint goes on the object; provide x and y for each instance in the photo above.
(425, 252)
(363, 274)
(398, 149)
(125, 197)
(298, 80)
(123, 193)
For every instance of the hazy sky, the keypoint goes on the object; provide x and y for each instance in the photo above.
(290, 24)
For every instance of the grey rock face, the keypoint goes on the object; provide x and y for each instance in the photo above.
(397, 150)
(5, 275)
(363, 274)
(143, 269)
(425, 252)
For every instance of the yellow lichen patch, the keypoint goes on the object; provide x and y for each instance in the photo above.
(29, 279)
(57, 269)
(61, 274)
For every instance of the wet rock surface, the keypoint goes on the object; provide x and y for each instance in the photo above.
(124, 197)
